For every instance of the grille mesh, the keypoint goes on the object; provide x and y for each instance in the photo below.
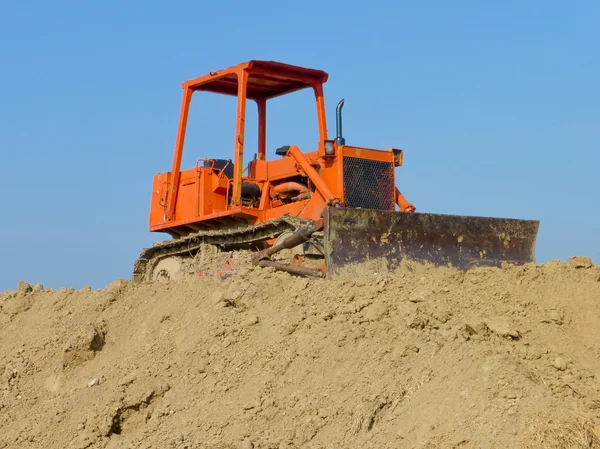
(369, 184)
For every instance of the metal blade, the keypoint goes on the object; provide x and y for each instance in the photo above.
(359, 235)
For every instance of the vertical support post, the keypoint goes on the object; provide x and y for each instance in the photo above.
(321, 114)
(262, 129)
(239, 138)
(175, 169)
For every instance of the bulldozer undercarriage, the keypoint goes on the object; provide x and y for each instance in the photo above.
(162, 259)
(348, 237)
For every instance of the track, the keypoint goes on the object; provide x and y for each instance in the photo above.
(230, 238)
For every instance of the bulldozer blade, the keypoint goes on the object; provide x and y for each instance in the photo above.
(354, 236)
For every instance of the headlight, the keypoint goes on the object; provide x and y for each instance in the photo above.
(329, 147)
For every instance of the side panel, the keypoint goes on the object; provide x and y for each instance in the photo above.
(201, 193)
(188, 196)
(158, 206)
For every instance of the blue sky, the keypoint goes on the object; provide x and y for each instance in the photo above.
(496, 105)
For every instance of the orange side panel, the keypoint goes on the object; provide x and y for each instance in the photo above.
(159, 199)
(186, 199)
(261, 171)
(201, 192)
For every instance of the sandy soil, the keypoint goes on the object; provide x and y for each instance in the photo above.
(417, 358)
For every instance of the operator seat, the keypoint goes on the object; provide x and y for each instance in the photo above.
(220, 164)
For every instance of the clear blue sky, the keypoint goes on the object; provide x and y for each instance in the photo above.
(496, 104)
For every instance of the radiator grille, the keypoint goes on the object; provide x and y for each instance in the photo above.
(369, 184)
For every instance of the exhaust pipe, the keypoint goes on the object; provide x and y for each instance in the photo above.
(339, 140)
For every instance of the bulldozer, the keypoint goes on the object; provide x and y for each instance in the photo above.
(332, 207)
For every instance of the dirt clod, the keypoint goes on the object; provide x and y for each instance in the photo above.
(375, 312)
(560, 363)
(503, 327)
(251, 320)
(23, 288)
(580, 262)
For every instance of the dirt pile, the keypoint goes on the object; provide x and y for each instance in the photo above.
(417, 358)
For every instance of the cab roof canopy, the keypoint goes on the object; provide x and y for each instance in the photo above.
(266, 79)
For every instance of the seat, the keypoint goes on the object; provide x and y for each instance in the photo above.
(220, 164)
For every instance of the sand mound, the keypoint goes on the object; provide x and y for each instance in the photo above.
(417, 358)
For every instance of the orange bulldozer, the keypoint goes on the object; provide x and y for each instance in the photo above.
(334, 206)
